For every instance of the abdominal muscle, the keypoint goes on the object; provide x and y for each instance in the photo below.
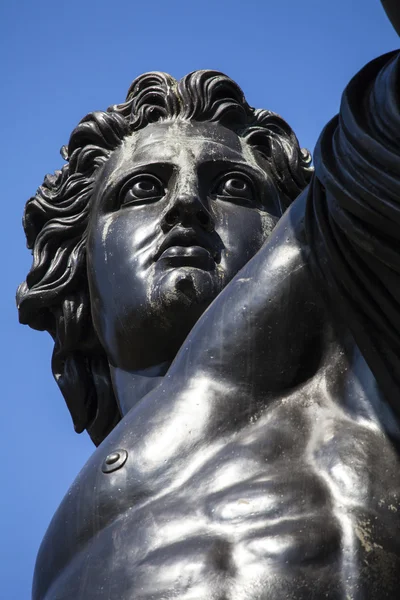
(300, 503)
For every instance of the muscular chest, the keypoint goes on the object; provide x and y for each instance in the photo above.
(306, 493)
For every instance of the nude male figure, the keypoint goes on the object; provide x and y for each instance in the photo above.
(256, 455)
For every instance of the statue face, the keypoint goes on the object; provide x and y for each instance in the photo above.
(178, 209)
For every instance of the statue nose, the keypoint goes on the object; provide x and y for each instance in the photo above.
(188, 211)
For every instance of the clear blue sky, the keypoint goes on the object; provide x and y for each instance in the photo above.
(61, 60)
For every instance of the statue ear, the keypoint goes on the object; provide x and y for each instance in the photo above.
(392, 8)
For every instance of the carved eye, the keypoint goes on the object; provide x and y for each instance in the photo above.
(236, 187)
(142, 188)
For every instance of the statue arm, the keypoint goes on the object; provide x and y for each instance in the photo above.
(353, 217)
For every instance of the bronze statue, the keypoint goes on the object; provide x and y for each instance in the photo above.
(228, 333)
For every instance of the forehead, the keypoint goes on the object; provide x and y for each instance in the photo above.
(183, 143)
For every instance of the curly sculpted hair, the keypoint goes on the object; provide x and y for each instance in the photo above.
(55, 295)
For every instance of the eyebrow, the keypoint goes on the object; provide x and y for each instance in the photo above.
(255, 170)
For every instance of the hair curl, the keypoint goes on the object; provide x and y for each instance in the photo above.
(55, 295)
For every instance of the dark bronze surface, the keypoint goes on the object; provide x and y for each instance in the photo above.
(392, 8)
(228, 334)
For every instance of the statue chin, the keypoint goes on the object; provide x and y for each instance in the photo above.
(186, 287)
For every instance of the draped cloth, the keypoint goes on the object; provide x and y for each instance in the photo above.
(353, 217)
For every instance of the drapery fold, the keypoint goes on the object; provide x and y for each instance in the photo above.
(353, 217)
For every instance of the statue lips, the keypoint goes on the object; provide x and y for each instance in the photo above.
(186, 247)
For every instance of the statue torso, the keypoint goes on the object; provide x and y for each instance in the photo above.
(230, 492)
(296, 503)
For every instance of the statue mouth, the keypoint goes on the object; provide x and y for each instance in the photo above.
(182, 256)
(186, 247)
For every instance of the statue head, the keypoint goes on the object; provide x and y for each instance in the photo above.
(162, 200)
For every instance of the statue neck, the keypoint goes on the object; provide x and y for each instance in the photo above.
(131, 386)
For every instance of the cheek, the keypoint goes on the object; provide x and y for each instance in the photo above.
(243, 231)
(126, 242)
(113, 269)
(268, 223)
(117, 291)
